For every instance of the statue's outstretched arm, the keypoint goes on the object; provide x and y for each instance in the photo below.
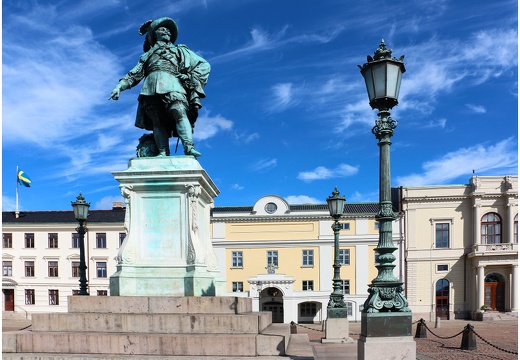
(128, 81)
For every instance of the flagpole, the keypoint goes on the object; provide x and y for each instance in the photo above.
(16, 214)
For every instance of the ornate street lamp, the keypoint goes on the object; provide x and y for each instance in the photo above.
(336, 204)
(80, 213)
(382, 75)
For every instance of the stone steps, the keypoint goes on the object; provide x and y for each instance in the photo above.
(251, 323)
(152, 326)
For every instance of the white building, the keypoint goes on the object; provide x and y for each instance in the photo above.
(462, 247)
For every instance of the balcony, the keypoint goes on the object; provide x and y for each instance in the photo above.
(495, 249)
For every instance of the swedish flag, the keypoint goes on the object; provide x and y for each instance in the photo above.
(23, 179)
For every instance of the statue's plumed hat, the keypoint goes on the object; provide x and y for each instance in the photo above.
(151, 26)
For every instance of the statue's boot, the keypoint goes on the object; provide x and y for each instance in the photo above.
(190, 150)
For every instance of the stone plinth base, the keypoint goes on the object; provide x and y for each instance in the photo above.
(388, 348)
(386, 335)
(337, 327)
(161, 281)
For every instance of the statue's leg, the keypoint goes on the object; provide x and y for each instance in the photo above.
(177, 112)
(160, 132)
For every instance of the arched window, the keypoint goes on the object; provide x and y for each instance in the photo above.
(516, 229)
(491, 226)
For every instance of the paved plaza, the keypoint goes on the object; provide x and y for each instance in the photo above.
(501, 335)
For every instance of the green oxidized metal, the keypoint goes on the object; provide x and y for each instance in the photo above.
(385, 291)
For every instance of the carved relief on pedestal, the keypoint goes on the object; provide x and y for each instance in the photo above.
(195, 250)
(126, 253)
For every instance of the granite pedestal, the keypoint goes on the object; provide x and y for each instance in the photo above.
(167, 250)
(386, 335)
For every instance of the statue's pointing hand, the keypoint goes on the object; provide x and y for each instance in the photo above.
(115, 93)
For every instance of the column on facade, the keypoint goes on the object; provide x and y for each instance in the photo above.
(476, 207)
(514, 289)
(480, 286)
(510, 222)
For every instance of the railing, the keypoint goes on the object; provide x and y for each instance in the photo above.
(469, 337)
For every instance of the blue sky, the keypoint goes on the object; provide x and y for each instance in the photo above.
(286, 111)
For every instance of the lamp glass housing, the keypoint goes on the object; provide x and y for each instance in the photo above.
(336, 204)
(383, 82)
(80, 208)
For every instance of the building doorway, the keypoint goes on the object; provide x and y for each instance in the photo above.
(271, 299)
(494, 292)
(8, 299)
(442, 299)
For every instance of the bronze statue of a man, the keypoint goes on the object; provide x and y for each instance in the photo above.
(174, 78)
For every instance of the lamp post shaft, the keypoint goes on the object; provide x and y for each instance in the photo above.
(336, 297)
(385, 290)
(81, 229)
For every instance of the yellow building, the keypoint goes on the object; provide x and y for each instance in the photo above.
(281, 255)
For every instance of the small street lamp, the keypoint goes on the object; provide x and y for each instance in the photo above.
(80, 208)
(382, 75)
(336, 204)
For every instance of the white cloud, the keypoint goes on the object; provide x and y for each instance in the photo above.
(208, 126)
(441, 123)
(494, 159)
(107, 202)
(237, 187)
(302, 199)
(263, 164)
(8, 203)
(476, 108)
(322, 173)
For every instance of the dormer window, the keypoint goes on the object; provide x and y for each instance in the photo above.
(270, 208)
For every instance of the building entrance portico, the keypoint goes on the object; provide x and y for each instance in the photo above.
(271, 299)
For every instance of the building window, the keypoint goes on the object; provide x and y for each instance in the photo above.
(308, 309)
(29, 240)
(516, 229)
(491, 226)
(442, 235)
(345, 225)
(270, 208)
(29, 268)
(349, 308)
(53, 269)
(29, 297)
(122, 237)
(75, 269)
(54, 297)
(442, 268)
(272, 258)
(102, 293)
(236, 259)
(345, 287)
(53, 240)
(8, 240)
(307, 257)
(344, 256)
(101, 269)
(101, 240)
(308, 285)
(8, 268)
(238, 286)
(75, 240)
